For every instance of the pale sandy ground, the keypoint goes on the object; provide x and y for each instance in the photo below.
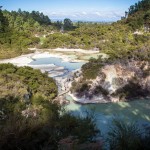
(68, 50)
(76, 50)
(75, 55)
(24, 60)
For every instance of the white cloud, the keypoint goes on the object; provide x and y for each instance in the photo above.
(98, 13)
(84, 13)
(112, 15)
(53, 13)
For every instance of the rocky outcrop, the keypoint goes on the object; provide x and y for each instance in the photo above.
(61, 100)
(115, 82)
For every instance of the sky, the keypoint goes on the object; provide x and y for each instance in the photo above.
(84, 10)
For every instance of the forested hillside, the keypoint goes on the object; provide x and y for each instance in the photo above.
(17, 31)
(19, 87)
(139, 15)
(25, 82)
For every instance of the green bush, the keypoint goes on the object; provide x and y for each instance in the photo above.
(123, 136)
(127, 136)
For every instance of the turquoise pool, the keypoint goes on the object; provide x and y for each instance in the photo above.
(135, 111)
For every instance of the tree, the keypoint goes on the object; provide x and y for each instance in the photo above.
(126, 14)
(68, 25)
(59, 25)
(18, 24)
(147, 19)
(3, 22)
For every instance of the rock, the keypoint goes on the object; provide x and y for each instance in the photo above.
(3, 116)
(117, 81)
(30, 112)
(61, 100)
(115, 99)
